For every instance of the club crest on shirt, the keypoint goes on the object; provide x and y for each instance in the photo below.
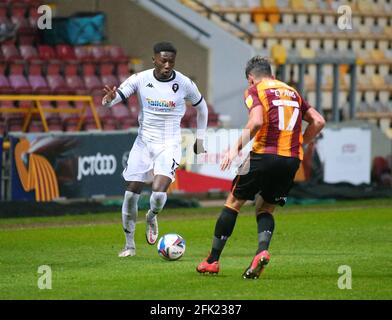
(249, 101)
(175, 87)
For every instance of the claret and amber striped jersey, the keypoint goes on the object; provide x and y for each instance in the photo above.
(283, 109)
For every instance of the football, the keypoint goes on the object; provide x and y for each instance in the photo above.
(171, 246)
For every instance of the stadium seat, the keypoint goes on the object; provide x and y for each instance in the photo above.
(83, 53)
(36, 80)
(265, 27)
(53, 69)
(109, 80)
(73, 80)
(17, 79)
(47, 53)
(29, 53)
(10, 52)
(33, 16)
(106, 69)
(297, 4)
(3, 14)
(57, 84)
(91, 81)
(123, 72)
(5, 86)
(27, 39)
(100, 54)
(66, 52)
(117, 54)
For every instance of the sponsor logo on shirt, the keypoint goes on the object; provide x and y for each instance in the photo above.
(161, 103)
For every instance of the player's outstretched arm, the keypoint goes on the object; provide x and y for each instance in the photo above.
(201, 121)
(111, 96)
(316, 124)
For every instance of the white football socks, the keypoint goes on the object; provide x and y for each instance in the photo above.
(129, 215)
(157, 202)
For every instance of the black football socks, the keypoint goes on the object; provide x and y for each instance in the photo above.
(265, 229)
(223, 230)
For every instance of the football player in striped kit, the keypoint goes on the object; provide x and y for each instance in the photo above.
(276, 111)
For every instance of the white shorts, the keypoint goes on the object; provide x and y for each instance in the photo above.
(149, 159)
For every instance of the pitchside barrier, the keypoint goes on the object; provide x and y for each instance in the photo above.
(82, 165)
(39, 109)
(51, 166)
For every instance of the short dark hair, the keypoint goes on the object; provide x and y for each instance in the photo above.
(164, 46)
(259, 66)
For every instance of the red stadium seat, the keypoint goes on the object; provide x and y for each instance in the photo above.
(109, 80)
(17, 79)
(92, 82)
(123, 72)
(10, 52)
(66, 52)
(100, 54)
(5, 86)
(27, 39)
(18, 16)
(76, 85)
(83, 53)
(29, 53)
(53, 69)
(39, 84)
(117, 54)
(33, 16)
(3, 14)
(47, 53)
(88, 69)
(57, 84)
(106, 69)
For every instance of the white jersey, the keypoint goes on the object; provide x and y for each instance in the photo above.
(162, 104)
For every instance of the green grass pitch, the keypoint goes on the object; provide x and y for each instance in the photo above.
(309, 244)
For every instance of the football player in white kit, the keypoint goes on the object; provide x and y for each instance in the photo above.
(156, 152)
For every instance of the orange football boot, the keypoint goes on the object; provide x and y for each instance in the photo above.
(204, 267)
(257, 266)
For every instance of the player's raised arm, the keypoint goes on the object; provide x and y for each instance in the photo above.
(115, 95)
(110, 96)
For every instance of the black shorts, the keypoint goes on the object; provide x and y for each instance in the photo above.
(269, 175)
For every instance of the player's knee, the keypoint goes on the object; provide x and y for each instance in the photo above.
(265, 207)
(234, 203)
